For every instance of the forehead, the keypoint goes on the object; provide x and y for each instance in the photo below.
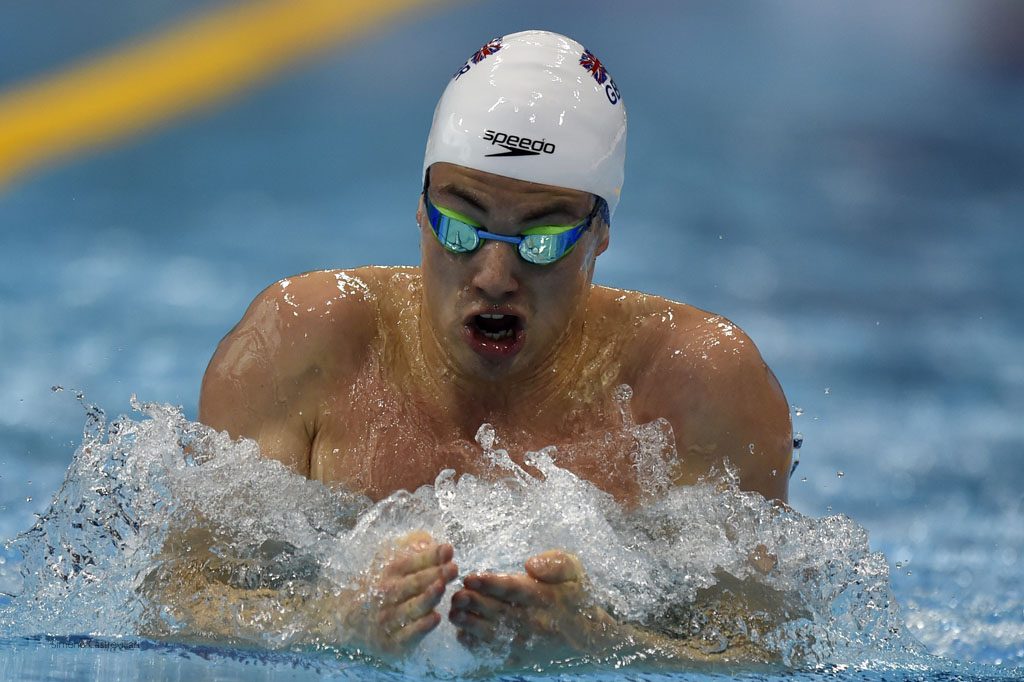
(490, 190)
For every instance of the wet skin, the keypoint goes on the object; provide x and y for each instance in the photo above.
(377, 379)
(407, 589)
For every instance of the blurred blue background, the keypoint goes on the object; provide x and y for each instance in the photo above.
(844, 181)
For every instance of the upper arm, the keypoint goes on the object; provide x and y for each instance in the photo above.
(250, 391)
(724, 403)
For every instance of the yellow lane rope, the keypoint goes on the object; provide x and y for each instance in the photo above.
(186, 66)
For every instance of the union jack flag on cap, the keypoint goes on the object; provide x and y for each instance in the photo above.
(593, 65)
(487, 50)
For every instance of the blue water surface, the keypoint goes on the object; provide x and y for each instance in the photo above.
(845, 182)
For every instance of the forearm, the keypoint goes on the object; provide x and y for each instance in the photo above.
(595, 634)
(721, 625)
(192, 599)
(651, 645)
(281, 599)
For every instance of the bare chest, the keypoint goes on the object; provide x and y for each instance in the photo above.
(376, 440)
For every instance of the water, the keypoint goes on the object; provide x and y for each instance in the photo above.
(95, 561)
(844, 182)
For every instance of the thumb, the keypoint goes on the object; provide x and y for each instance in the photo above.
(555, 566)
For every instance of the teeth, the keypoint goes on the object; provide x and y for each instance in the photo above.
(488, 316)
(498, 336)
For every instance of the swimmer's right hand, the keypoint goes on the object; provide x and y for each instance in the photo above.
(395, 606)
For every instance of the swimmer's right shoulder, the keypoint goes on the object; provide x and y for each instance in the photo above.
(320, 318)
(323, 289)
(298, 341)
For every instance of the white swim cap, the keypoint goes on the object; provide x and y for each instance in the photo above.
(534, 106)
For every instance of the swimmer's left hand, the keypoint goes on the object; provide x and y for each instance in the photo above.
(546, 610)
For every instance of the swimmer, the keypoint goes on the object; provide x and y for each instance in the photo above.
(376, 379)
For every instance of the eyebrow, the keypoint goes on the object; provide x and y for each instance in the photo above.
(559, 206)
(467, 196)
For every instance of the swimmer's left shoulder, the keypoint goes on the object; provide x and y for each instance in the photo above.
(657, 322)
(665, 340)
(705, 375)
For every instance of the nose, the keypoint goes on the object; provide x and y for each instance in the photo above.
(495, 273)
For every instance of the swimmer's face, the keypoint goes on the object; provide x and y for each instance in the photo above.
(538, 307)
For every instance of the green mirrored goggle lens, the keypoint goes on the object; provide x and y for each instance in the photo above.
(458, 237)
(547, 248)
(539, 245)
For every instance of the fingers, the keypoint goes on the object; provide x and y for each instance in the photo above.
(518, 590)
(555, 566)
(415, 584)
(409, 586)
(416, 596)
(406, 624)
(480, 604)
(473, 626)
(417, 607)
(421, 558)
(410, 634)
(476, 615)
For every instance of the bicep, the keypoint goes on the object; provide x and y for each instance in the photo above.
(758, 432)
(725, 404)
(242, 394)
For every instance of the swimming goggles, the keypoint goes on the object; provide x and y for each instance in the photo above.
(541, 245)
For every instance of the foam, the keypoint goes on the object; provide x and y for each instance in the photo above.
(91, 561)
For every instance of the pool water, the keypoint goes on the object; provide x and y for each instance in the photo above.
(843, 182)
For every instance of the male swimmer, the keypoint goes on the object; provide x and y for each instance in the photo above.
(377, 379)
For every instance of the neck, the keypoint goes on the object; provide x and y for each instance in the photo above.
(537, 398)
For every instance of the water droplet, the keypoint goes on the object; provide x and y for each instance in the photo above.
(751, 448)
(56, 388)
(899, 564)
(798, 411)
(798, 440)
(840, 474)
(28, 499)
(485, 436)
(622, 395)
(828, 390)
(803, 479)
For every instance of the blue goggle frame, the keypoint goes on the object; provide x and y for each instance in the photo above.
(538, 245)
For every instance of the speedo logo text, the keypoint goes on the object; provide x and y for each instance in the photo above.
(516, 145)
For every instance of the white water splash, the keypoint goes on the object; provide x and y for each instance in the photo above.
(88, 560)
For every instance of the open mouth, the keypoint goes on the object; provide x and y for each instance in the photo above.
(495, 334)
